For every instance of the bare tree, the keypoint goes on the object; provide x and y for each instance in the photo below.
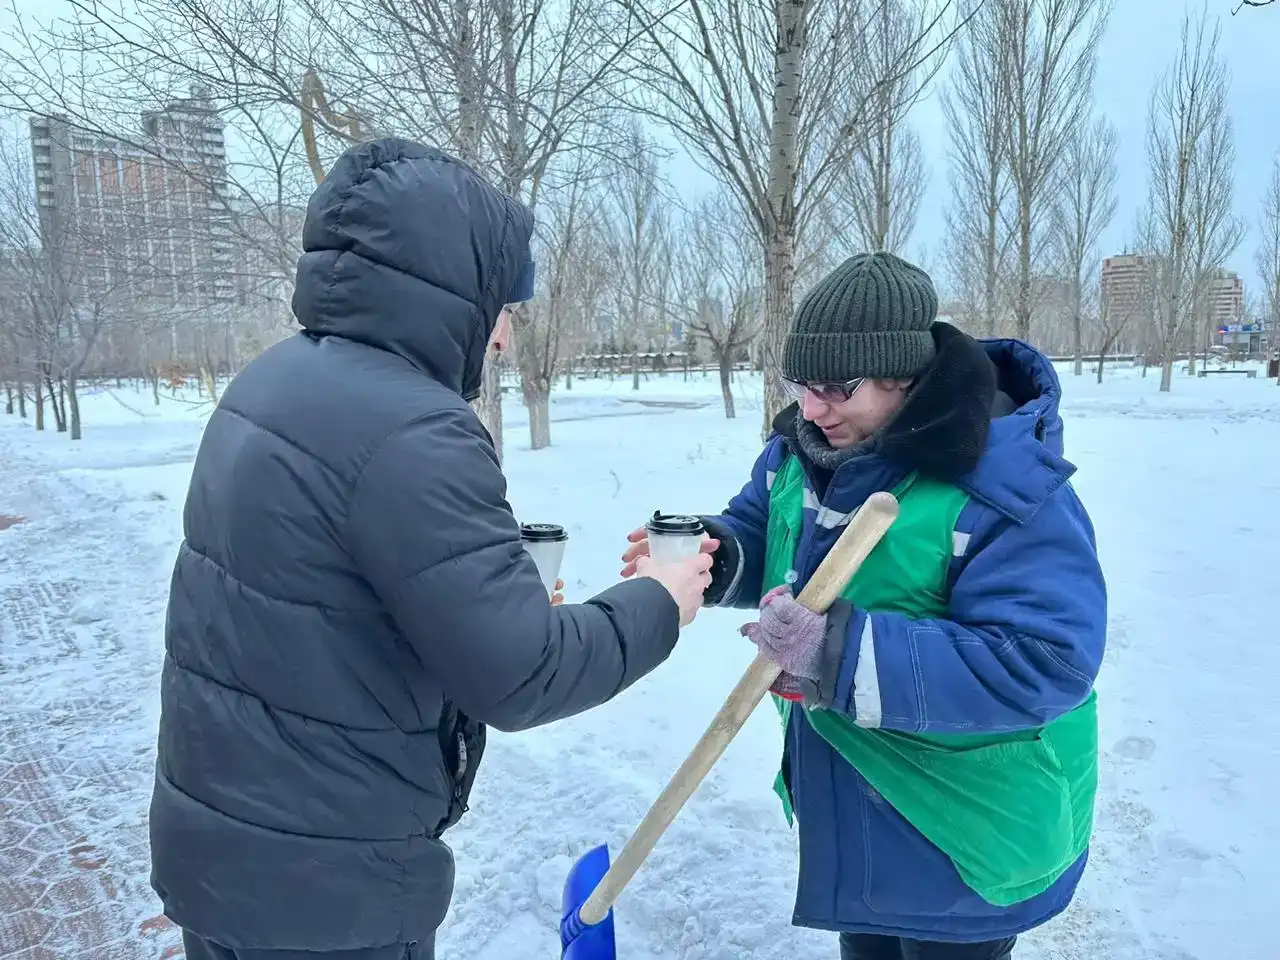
(66, 281)
(102, 69)
(1268, 254)
(720, 285)
(888, 178)
(1112, 322)
(1251, 3)
(508, 85)
(772, 99)
(638, 235)
(514, 83)
(977, 111)
(1085, 208)
(1186, 232)
(1216, 231)
(1048, 56)
(568, 247)
(592, 281)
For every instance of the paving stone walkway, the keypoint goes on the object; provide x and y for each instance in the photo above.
(81, 610)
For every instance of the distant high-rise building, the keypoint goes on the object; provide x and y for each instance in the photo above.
(1127, 285)
(1225, 299)
(146, 214)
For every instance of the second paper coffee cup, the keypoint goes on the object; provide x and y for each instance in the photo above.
(674, 537)
(545, 543)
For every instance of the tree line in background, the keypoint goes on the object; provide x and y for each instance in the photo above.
(798, 110)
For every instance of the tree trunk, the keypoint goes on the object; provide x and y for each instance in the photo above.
(1166, 372)
(791, 18)
(488, 406)
(8, 398)
(1077, 327)
(1192, 346)
(211, 381)
(990, 257)
(780, 281)
(59, 410)
(39, 402)
(1102, 356)
(155, 386)
(726, 380)
(635, 369)
(22, 398)
(538, 400)
(74, 397)
(1022, 307)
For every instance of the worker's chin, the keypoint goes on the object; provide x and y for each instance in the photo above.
(837, 437)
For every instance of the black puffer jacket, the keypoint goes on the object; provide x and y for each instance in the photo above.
(351, 602)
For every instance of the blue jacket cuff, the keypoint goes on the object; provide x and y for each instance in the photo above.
(839, 657)
(726, 564)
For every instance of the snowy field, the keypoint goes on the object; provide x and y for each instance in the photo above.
(1183, 489)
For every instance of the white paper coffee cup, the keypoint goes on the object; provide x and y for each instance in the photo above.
(673, 537)
(545, 543)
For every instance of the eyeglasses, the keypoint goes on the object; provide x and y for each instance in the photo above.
(826, 392)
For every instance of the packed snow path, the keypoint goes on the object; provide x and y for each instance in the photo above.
(1183, 491)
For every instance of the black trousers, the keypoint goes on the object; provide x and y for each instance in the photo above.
(198, 948)
(861, 946)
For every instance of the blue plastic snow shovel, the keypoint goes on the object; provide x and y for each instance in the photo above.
(593, 886)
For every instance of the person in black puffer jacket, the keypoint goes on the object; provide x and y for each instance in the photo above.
(351, 603)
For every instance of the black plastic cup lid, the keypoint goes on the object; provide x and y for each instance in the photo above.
(542, 532)
(675, 525)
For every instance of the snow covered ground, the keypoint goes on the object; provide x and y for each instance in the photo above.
(1183, 490)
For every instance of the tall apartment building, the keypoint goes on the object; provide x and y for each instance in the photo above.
(1128, 281)
(1127, 286)
(145, 214)
(1225, 299)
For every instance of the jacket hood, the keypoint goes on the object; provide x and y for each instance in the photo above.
(409, 250)
(1023, 463)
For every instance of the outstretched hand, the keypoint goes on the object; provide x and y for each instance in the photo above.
(639, 540)
(557, 598)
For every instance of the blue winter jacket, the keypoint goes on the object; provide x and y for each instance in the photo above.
(1021, 645)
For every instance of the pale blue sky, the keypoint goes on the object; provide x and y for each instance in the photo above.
(1141, 40)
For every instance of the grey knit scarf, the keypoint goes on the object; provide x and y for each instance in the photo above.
(821, 454)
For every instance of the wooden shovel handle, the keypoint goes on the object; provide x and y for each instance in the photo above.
(864, 531)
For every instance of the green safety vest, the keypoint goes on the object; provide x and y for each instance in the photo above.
(1012, 811)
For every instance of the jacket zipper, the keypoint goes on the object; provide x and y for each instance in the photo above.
(460, 774)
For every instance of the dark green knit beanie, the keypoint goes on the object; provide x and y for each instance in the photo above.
(869, 317)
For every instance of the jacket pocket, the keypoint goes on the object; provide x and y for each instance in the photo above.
(905, 874)
(1006, 827)
(462, 742)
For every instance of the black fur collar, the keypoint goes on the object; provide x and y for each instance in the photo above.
(942, 428)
